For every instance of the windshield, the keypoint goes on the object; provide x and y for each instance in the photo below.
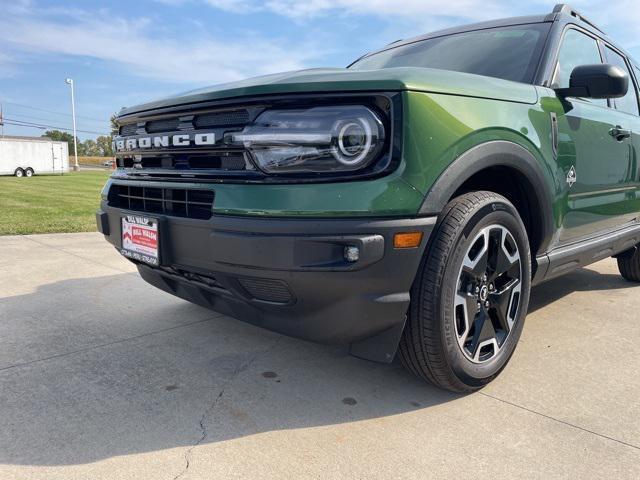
(511, 53)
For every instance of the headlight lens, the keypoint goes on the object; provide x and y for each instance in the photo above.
(314, 139)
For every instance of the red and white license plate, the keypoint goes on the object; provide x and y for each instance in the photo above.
(140, 239)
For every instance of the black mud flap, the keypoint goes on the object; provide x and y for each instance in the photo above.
(381, 347)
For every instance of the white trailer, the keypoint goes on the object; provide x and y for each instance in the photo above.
(27, 156)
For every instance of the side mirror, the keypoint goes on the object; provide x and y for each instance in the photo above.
(596, 81)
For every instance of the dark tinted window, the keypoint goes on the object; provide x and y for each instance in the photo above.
(511, 53)
(628, 103)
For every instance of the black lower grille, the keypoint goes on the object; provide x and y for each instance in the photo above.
(267, 290)
(177, 202)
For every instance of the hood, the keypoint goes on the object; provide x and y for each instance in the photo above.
(345, 80)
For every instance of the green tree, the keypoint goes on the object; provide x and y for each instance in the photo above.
(104, 143)
(114, 126)
(90, 148)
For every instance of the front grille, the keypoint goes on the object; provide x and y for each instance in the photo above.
(129, 129)
(267, 290)
(177, 202)
(218, 162)
(222, 119)
(167, 125)
(162, 159)
(227, 161)
(228, 118)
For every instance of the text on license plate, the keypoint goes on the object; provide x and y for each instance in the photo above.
(140, 238)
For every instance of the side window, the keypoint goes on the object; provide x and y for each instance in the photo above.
(576, 49)
(628, 103)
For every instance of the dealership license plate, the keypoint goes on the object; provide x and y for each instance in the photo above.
(140, 239)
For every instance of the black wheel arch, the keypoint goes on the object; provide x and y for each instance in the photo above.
(506, 156)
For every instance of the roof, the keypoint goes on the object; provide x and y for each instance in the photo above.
(18, 137)
(30, 139)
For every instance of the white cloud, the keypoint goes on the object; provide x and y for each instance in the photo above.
(416, 9)
(142, 48)
(235, 6)
(413, 9)
(620, 22)
(135, 44)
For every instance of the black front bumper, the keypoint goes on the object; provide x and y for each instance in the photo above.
(290, 275)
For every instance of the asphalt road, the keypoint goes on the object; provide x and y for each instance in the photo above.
(102, 376)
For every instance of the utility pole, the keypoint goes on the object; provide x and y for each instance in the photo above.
(69, 81)
(1, 122)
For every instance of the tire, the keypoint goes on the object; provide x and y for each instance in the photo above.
(629, 265)
(29, 172)
(443, 344)
(19, 173)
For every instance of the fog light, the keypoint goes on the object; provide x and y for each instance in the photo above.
(351, 254)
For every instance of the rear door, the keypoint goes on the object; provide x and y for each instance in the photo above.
(596, 164)
(628, 108)
(57, 157)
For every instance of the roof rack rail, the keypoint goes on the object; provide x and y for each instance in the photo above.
(564, 9)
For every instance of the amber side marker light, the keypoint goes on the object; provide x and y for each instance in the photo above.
(407, 239)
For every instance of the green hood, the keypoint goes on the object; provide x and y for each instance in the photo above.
(345, 80)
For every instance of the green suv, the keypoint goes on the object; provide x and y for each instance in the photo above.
(404, 205)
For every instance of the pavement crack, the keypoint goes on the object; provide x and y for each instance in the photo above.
(563, 422)
(212, 407)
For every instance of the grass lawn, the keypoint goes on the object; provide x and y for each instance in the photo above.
(50, 203)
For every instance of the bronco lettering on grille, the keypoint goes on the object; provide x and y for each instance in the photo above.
(160, 141)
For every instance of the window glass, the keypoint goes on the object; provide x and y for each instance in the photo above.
(577, 49)
(628, 103)
(511, 53)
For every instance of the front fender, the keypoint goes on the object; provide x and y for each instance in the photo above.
(495, 154)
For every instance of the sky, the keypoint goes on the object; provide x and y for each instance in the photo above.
(121, 53)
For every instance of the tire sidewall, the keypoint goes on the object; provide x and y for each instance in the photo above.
(28, 172)
(488, 213)
(19, 173)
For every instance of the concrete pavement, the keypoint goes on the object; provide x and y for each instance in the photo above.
(103, 376)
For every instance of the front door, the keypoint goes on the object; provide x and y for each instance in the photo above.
(595, 151)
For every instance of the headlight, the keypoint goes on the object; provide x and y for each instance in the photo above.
(314, 139)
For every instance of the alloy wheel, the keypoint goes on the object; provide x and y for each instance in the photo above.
(488, 293)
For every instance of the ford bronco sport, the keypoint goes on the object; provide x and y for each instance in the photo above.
(403, 205)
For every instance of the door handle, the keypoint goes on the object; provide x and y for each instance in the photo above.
(619, 133)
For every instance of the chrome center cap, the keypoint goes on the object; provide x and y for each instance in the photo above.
(484, 293)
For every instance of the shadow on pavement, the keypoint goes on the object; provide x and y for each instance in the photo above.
(583, 280)
(118, 368)
(171, 384)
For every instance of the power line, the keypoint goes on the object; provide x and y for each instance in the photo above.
(22, 123)
(30, 117)
(52, 112)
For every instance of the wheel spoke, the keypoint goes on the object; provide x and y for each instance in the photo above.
(476, 260)
(469, 306)
(501, 302)
(483, 333)
(500, 259)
